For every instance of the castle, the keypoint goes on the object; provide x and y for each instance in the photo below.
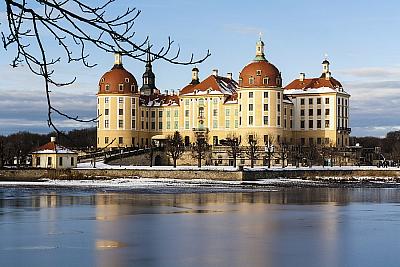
(307, 111)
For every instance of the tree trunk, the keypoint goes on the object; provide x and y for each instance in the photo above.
(234, 161)
(174, 162)
(199, 161)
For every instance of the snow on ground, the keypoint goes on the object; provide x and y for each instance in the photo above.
(321, 168)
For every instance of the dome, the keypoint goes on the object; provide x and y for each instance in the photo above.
(118, 81)
(260, 74)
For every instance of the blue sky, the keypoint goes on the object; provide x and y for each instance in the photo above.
(360, 37)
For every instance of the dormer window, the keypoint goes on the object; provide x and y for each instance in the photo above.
(240, 81)
(132, 88)
(258, 72)
(251, 80)
(266, 80)
(120, 87)
(278, 81)
(102, 80)
(127, 80)
(107, 87)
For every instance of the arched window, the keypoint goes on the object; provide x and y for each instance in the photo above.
(251, 80)
(266, 80)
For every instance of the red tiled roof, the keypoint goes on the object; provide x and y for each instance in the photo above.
(314, 83)
(116, 76)
(215, 83)
(267, 70)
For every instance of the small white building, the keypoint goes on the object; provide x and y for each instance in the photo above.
(54, 156)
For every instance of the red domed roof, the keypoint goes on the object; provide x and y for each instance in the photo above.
(263, 74)
(118, 81)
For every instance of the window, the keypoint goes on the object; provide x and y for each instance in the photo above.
(302, 124)
(160, 125)
(60, 161)
(120, 100)
(49, 161)
(147, 113)
(201, 102)
(250, 107)
(318, 101)
(153, 125)
(319, 112)
(302, 112)
(106, 100)
(127, 80)
(265, 120)
(236, 123)
(326, 101)
(215, 124)
(310, 112)
(227, 124)
(251, 94)
(153, 113)
(327, 111)
(338, 100)
(326, 123)
(227, 112)
(72, 161)
(345, 102)
(291, 124)
(279, 108)
(311, 141)
(120, 111)
(215, 112)
(106, 112)
(215, 100)
(38, 161)
(160, 114)
(168, 113)
(132, 88)
(279, 95)
(147, 125)
(258, 72)
(251, 80)
(106, 124)
(133, 124)
(120, 123)
(265, 94)
(279, 121)
(187, 102)
(142, 124)
(302, 101)
(106, 140)
(176, 113)
(133, 112)
(176, 125)
(319, 140)
(187, 113)
(168, 125)
(120, 87)
(120, 140)
(319, 124)
(186, 125)
(107, 87)
(251, 120)
(310, 124)
(310, 101)
(134, 101)
(266, 82)
(265, 107)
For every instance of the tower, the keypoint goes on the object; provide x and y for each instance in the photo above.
(149, 78)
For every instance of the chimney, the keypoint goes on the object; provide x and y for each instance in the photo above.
(302, 76)
(166, 92)
(53, 139)
(173, 92)
(229, 75)
(215, 72)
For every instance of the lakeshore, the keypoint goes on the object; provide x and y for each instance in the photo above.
(106, 172)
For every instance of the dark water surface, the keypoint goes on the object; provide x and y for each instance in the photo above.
(286, 227)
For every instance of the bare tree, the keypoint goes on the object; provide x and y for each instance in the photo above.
(175, 147)
(396, 152)
(283, 153)
(200, 149)
(252, 150)
(269, 149)
(75, 27)
(234, 144)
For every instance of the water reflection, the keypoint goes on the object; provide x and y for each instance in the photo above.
(287, 227)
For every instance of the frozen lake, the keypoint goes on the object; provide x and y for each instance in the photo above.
(78, 226)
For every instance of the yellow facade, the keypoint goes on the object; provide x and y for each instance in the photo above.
(268, 112)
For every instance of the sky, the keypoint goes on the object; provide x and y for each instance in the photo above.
(360, 38)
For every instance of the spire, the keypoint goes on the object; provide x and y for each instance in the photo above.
(260, 56)
(149, 79)
(325, 68)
